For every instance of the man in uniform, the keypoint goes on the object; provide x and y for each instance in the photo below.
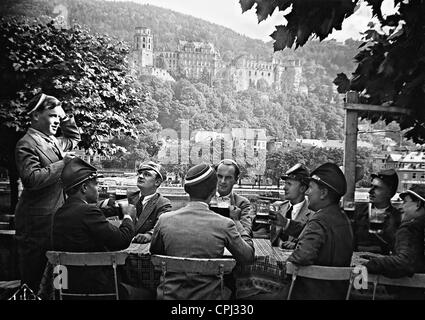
(195, 231)
(326, 239)
(295, 206)
(384, 186)
(149, 203)
(81, 226)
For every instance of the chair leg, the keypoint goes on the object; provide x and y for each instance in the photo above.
(375, 284)
(347, 297)
(114, 266)
(294, 277)
(164, 272)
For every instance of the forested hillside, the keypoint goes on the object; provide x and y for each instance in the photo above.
(283, 114)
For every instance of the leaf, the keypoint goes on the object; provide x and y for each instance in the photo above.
(246, 4)
(265, 8)
(342, 82)
(283, 38)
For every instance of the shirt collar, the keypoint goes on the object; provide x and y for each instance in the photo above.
(147, 198)
(224, 197)
(201, 203)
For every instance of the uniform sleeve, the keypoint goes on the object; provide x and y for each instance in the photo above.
(241, 249)
(247, 215)
(33, 175)
(309, 244)
(401, 263)
(293, 228)
(157, 243)
(105, 233)
(70, 134)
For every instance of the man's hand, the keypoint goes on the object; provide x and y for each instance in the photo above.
(288, 245)
(142, 238)
(129, 209)
(68, 156)
(277, 219)
(235, 212)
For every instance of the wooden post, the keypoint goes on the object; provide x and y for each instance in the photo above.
(350, 151)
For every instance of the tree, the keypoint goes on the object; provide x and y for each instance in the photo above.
(88, 73)
(390, 64)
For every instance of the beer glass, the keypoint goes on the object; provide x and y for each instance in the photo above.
(376, 220)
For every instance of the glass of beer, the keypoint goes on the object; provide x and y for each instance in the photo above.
(376, 220)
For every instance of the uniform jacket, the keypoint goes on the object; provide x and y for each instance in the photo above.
(326, 240)
(82, 227)
(194, 231)
(408, 257)
(39, 168)
(279, 234)
(147, 218)
(364, 241)
(247, 214)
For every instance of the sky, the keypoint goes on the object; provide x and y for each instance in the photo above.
(228, 13)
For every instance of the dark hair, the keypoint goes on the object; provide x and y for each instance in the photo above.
(230, 162)
(203, 189)
(49, 102)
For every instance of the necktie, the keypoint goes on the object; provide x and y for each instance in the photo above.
(289, 213)
(139, 207)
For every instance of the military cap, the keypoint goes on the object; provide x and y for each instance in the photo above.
(417, 191)
(77, 171)
(330, 175)
(198, 174)
(298, 172)
(150, 165)
(389, 177)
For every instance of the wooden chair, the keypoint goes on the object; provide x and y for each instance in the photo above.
(113, 258)
(320, 273)
(218, 267)
(416, 281)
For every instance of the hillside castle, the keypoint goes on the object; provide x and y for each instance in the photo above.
(201, 60)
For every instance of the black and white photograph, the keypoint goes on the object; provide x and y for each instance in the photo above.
(212, 153)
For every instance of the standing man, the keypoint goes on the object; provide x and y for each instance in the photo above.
(327, 238)
(40, 158)
(295, 206)
(149, 203)
(228, 174)
(384, 187)
(195, 231)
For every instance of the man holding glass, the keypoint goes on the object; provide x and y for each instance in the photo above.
(228, 174)
(376, 222)
(295, 206)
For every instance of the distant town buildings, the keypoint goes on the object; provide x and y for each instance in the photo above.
(410, 168)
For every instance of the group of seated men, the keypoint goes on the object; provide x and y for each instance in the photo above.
(309, 221)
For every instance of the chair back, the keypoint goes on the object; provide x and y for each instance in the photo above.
(112, 258)
(415, 281)
(218, 267)
(320, 273)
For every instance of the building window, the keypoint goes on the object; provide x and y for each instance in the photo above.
(144, 46)
(414, 175)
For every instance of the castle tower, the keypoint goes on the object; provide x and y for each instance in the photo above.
(143, 45)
